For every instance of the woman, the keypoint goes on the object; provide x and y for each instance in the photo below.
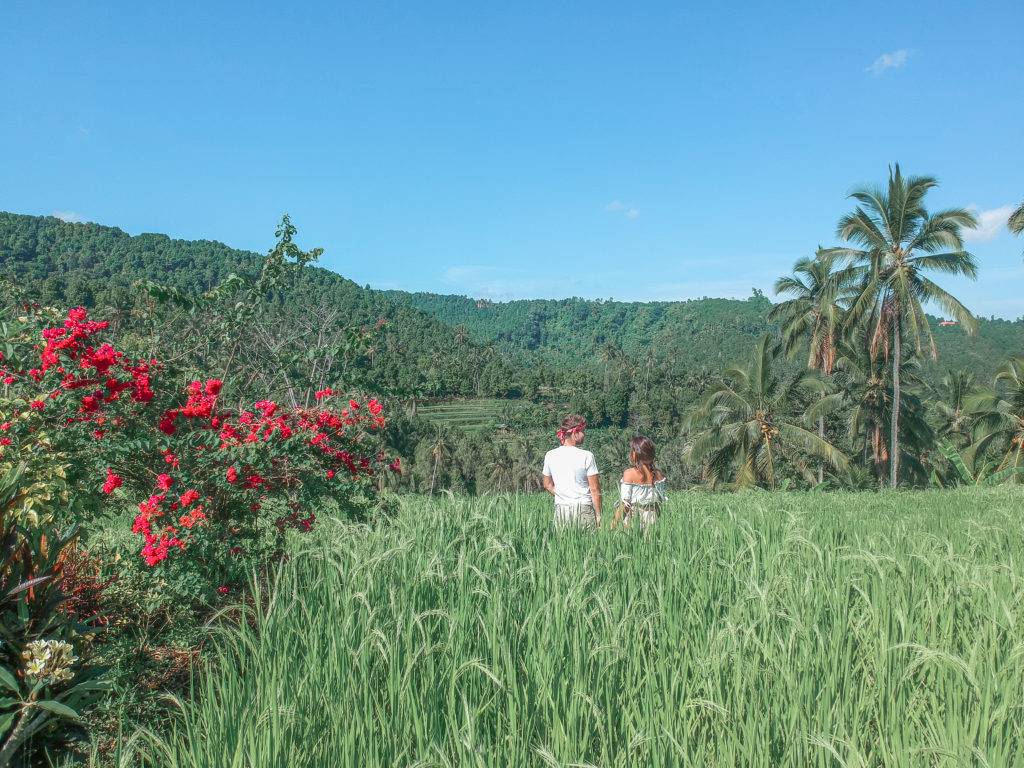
(642, 488)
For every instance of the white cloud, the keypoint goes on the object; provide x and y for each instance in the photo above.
(889, 61)
(990, 223)
(69, 216)
(617, 206)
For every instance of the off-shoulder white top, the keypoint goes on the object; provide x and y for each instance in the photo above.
(642, 493)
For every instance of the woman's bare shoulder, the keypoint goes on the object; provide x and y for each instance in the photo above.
(632, 475)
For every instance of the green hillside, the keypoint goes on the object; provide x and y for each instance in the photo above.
(690, 334)
(96, 266)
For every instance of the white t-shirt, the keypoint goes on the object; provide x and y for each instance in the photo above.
(570, 467)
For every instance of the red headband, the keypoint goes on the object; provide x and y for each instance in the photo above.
(564, 433)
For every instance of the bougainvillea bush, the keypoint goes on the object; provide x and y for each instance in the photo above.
(215, 488)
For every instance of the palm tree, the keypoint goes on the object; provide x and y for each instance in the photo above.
(501, 470)
(743, 427)
(955, 388)
(864, 392)
(525, 463)
(608, 354)
(898, 240)
(814, 312)
(441, 454)
(1016, 222)
(999, 419)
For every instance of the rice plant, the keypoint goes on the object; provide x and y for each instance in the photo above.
(800, 629)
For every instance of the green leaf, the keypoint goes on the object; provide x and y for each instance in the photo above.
(1002, 476)
(57, 708)
(8, 680)
(6, 721)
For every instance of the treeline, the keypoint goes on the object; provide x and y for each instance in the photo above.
(685, 334)
(664, 369)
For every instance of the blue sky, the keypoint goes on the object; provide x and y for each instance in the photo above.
(533, 149)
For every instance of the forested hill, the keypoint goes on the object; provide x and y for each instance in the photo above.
(692, 334)
(576, 331)
(423, 349)
(95, 266)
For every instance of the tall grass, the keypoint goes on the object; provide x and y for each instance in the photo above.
(754, 630)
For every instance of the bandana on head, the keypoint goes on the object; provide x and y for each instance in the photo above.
(564, 433)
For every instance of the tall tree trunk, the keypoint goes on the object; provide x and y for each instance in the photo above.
(894, 441)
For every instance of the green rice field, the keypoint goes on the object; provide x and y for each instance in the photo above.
(466, 414)
(787, 629)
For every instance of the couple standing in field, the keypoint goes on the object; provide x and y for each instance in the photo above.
(571, 476)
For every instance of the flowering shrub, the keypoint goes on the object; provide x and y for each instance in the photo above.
(213, 485)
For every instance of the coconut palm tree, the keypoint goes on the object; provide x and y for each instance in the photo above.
(1016, 222)
(742, 426)
(956, 386)
(864, 393)
(897, 240)
(999, 418)
(819, 290)
(501, 474)
(440, 451)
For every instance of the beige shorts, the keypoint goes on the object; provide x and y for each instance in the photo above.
(580, 516)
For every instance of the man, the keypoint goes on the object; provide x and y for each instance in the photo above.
(571, 476)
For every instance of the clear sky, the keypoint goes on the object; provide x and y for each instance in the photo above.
(637, 150)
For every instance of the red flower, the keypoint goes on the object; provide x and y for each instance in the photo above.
(113, 481)
(213, 386)
(232, 474)
(165, 482)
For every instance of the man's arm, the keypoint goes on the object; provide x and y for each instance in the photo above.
(595, 494)
(549, 484)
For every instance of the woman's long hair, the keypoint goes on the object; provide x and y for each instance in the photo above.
(643, 456)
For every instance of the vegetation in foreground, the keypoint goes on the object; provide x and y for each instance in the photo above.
(800, 629)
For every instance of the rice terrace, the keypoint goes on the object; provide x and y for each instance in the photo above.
(467, 415)
(542, 385)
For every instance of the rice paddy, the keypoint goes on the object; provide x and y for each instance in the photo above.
(799, 629)
(468, 415)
